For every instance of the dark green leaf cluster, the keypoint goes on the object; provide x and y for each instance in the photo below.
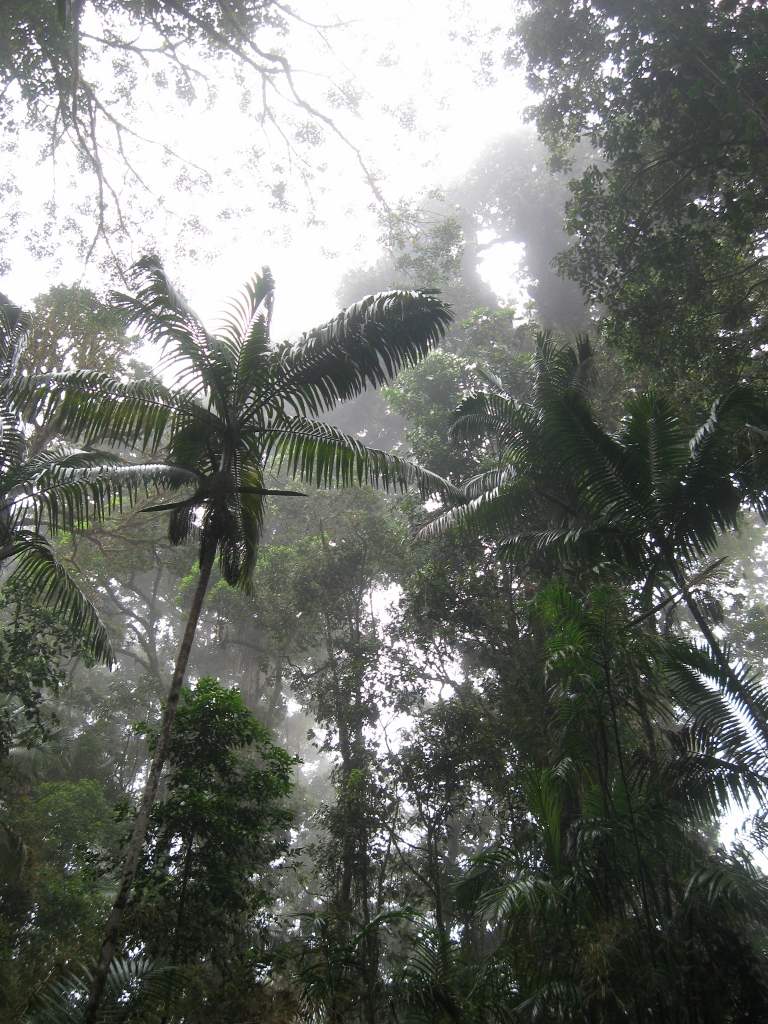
(34, 647)
(635, 735)
(211, 841)
(62, 485)
(670, 221)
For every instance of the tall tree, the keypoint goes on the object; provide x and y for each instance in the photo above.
(239, 406)
(74, 327)
(669, 221)
(203, 882)
(643, 736)
(608, 899)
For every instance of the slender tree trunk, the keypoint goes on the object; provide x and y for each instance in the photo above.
(147, 800)
(433, 861)
(182, 903)
(277, 692)
(179, 923)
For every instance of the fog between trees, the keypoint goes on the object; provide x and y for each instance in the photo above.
(468, 721)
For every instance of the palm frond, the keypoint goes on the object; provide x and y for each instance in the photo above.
(246, 330)
(165, 318)
(597, 463)
(432, 979)
(13, 444)
(39, 572)
(78, 490)
(93, 407)
(195, 442)
(15, 325)
(563, 370)
(364, 346)
(56, 458)
(513, 424)
(734, 882)
(320, 453)
(742, 688)
(652, 428)
(496, 511)
(492, 479)
(131, 985)
(181, 521)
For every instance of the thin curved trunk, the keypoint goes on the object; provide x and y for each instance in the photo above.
(148, 798)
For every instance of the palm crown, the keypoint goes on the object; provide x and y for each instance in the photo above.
(645, 496)
(241, 405)
(644, 499)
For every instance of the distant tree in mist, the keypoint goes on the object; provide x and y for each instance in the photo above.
(669, 216)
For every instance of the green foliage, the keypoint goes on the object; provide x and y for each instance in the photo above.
(72, 328)
(519, 768)
(53, 835)
(510, 192)
(63, 818)
(132, 987)
(428, 255)
(426, 395)
(44, 482)
(259, 402)
(223, 822)
(635, 738)
(642, 503)
(669, 221)
(34, 648)
(621, 789)
(239, 407)
(642, 497)
(57, 483)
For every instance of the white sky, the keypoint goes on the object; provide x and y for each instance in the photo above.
(425, 115)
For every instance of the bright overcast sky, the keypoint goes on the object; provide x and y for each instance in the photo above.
(426, 112)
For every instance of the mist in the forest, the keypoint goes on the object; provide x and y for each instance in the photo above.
(383, 432)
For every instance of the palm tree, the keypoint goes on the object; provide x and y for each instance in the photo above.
(61, 487)
(610, 856)
(646, 500)
(239, 407)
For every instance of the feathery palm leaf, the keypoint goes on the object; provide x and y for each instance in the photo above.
(648, 491)
(239, 405)
(38, 570)
(645, 498)
(67, 488)
(132, 985)
(59, 488)
(15, 325)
